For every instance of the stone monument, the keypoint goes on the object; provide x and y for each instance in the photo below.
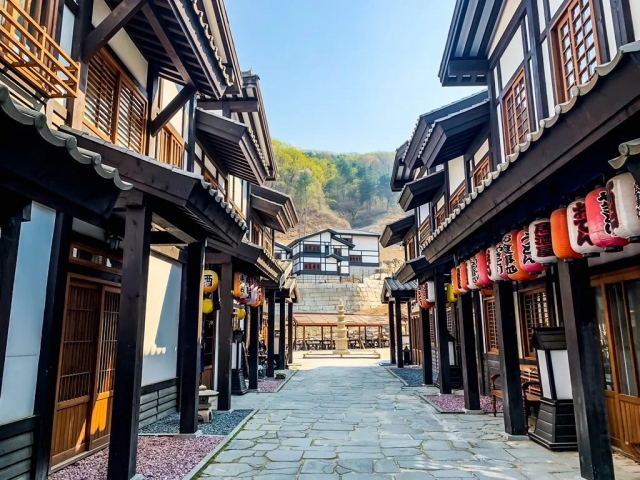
(342, 342)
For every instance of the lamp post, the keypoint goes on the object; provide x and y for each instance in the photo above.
(556, 424)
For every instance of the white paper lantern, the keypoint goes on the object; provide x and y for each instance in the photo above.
(579, 230)
(540, 238)
(492, 264)
(431, 292)
(623, 193)
(472, 273)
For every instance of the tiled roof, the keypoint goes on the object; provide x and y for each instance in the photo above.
(576, 92)
(393, 287)
(626, 149)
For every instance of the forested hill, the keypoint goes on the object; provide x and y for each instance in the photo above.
(337, 190)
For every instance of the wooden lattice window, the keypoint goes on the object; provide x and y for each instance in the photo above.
(425, 229)
(411, 248)
(171, 147)
(312, 266)
(440, 216)
(534, 313)
(515, 113)
(94, 258)
(490, 324)
(481, 171)
(355, 258)
(312, 247)
(450, 319)
(115, 110)
(457, 196)
(432, 327)
(576, 46)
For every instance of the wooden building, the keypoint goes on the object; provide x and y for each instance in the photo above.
(563, 96)
(131, 142)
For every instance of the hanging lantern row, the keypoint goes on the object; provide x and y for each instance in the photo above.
(606, 220)
(426, 294)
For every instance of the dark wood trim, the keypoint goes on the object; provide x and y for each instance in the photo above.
(271, 331)
(191, 135)
(427, 361)
(233, 105)
(538, 79)
(585, 364)
(509, 362)
(444, 367)
(392, 334)
(88, 272)
(24, 425)
(290, 331)
(154, 387)
(153, 85)
(225, 331)
(479, 335)
(398, 318)
(600, 25)
(254, 340)
(508, 34)
(163, 117)
(111, 25)
(468, 347)
(622, 22)
(129, 356)
(282, 338)
(191, 326)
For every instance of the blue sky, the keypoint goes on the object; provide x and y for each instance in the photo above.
(344, 75)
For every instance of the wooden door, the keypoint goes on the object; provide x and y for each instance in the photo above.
(618, 303)
(86, 368)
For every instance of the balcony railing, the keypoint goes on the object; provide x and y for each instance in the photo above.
(27, 48)
(170, 147)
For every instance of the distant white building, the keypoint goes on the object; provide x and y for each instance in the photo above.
(332, 252)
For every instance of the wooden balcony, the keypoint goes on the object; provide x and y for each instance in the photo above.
(170, 147)
(27, 48)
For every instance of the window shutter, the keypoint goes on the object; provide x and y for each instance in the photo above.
(535, 313)
(491, 325)
(102, 85)
(132, 112)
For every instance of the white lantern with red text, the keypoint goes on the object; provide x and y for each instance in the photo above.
(623, 194)
(601, 221)
(540, 239)
(579, 236)
(492, 264)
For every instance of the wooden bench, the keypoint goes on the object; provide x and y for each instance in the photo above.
(530, 390)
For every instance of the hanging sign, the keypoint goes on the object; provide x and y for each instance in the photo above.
(491, 256)
(602, 220)
(512, 258)
(209, 281)
(560, 235)
(479, 272)
(579, 231)
(623, 194)
(541, 244)
(525, 259)
(472, 273)
(464, 280)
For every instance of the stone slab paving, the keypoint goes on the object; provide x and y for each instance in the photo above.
(351, 419)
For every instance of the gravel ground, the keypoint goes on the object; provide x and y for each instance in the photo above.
(166, 458)
(223, 423)
(269, 386)
(455, 403)
(413, 376)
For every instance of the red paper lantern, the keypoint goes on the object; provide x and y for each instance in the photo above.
(464, 280)
(579, 231)
(421, 298)
(479, 272)
(526, 261)
(601, 222)
(472, 272)
(492, 264)
(623, 194)
(461, 285)
(560, 240)
(541, 244)
(455, 279)
(512, 258)
(502, 262)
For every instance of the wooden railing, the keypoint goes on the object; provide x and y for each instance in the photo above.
(170, 147)
(27, 48)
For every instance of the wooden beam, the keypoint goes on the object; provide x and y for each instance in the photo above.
(111, 25)
(290, 332)
(271, 327)
(509, 361)
(392, 335)
(469, 364)
(225, 332)
(45, 399)
(443, 333)
(479, 327)
(162, 33)
(468, 67)
(427, 366)
(623, 22)
(254, 339)
(191, 134)
(399, 357)
(129, 351)
(166, 239)
(410, 332)
(237, 106)
(179, 101)
(282, 344)
(191, 326)
(585, 365)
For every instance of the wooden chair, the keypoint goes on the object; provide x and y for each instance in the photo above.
(530, 396)
(495, 393)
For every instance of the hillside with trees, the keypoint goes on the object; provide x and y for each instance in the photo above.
(336, 190)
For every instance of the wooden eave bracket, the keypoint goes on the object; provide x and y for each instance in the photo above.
(163, 117)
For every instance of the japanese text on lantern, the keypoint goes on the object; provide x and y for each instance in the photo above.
(542, 233)
(580, 221)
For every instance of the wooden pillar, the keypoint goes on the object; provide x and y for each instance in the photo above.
(191, 326)
(444, 377)
(585, 365)
(290, 328)
(469, 363)
(477, 318)
(410, 333)
(427, 367)
(128, 368)
(254, 340)
(399, 359)
(509, 362)
(271, 327)
(281, 339)
(54, 310)
(392, 336)
(225, 332)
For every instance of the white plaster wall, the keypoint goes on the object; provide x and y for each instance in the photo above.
(548, 77)
(169, 91)
(423, 212)
(500, 133)
(608, 24)
(554, 6)
(634, 6)
(122, 44)
(25, 321)
(161, 322)
(541, 18)
(508, 12)
(456, 173)
(481, 152)
(440, 203)
(512, 57)
(365, 243)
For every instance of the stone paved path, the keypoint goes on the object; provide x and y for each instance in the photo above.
(335, 421)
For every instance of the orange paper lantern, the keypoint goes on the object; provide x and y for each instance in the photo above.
(464, 281)
(512, 258)
(560, 241)
(454, 281)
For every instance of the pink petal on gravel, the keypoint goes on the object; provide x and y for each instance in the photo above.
(455, 403)
(269, 386)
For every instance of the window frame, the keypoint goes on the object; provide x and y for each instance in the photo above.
(519, 79)
(483, 165)
(305, 266)
(457, 196)
(307, 248)
(527, 352)
(491, 349)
